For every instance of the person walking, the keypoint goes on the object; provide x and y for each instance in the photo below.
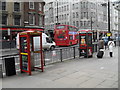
(101, 49)
(111, 44)
(105, 42)
(101, 44)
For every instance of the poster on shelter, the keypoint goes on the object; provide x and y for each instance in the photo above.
(83, 40)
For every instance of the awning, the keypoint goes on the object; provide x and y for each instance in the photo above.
(21, 28)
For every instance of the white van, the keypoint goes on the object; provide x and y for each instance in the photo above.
(47, 43)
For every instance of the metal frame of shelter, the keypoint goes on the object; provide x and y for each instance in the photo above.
(26, 47)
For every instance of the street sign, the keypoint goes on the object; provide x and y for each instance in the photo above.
(109, 34)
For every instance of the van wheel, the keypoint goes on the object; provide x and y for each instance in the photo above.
(52, 48)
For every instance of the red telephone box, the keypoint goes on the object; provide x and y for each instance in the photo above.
(85, 43)
(26, 48)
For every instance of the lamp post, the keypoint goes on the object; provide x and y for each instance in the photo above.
(108, 18)
(91, 23)
(92, 29)
(105, 4)
(57, 13)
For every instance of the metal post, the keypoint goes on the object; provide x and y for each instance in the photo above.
(109, 18)
(74, 52)
(91, 23)
(61, 55)
(44, 57)
(57, 12)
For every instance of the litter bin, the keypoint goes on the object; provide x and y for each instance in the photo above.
(10, 66)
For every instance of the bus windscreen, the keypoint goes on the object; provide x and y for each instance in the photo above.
(60, 27)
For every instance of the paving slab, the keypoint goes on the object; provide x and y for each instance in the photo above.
(91, 83)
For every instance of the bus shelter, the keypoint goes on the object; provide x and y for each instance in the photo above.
(85, 43)
(26, 51)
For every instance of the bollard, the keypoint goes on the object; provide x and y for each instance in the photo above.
(74, 52)
(79, 53)
(44, 58)
(96, 47)
(61, 55)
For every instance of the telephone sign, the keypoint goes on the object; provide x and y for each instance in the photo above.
(109, 34)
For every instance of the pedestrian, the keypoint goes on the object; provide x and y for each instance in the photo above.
(105, 42)
(101, 49)
(101, 44)
(111, 44)
(105, 45)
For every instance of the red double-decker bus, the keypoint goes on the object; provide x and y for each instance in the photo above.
(65, 35)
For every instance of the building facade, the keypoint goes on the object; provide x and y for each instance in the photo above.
(12, 13)
(20, 14)
(84, 14)
(34, 14)
(114, 20)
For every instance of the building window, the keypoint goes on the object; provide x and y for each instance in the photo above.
(84, 14)
(17, 6)
(84, 23)
(73, 15)
(31, 5)
(62, 17)
(40, 20)
(67, 7)
(73, 6)
(4, 19)
(81, 15)
(87, 15)
(77, 15)
(77, 23)
(31, 19)
(84, 4)
(3, 5)
(40, 7)
(64, 8)
(65, 16)
(73, 23)
(81, 23)
(17, 20)
(76, 5)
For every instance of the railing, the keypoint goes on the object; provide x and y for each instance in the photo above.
(50, 57)
(60, 55)
(7, 44)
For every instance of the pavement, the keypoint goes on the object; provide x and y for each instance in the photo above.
(75, 73)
